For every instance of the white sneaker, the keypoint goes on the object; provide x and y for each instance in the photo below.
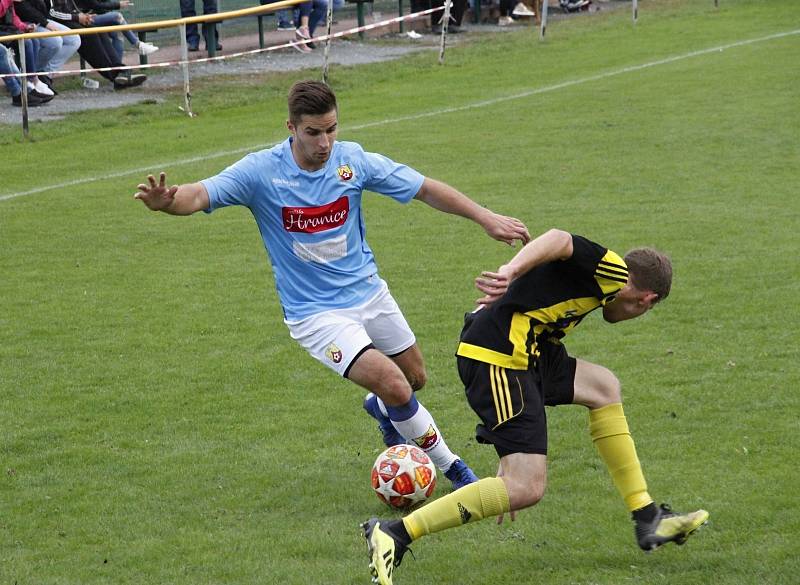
(505, 21)
(146, 48)
(41, 87)
(302, 47)
(522, 10)
(301, 34)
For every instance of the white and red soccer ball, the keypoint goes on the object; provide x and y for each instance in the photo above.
(403, 476)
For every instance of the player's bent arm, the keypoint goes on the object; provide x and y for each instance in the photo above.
(552, 245)
(445, 198)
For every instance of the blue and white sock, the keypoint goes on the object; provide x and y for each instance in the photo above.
(415, 423)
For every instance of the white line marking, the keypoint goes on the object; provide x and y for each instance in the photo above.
(474, 105)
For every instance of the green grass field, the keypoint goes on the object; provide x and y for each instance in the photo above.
(159, 426)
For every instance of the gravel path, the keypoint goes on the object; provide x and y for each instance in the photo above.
(342, 52)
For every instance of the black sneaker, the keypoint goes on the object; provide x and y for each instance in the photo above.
(33, 101)
(127, 79)
(668, 526)
(42, 96)
(385, 550)
(194, 48)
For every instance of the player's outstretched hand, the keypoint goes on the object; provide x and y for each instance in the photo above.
(157, 196)
(493, 284)
(507, 229)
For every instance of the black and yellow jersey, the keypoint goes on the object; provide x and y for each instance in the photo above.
(544, 303)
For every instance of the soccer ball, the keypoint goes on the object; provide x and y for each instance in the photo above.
(403, 476)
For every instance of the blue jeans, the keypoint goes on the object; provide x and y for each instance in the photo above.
(7, 66)
(31, 55)
(319, 12)
(55, 51)
(188, 9)
(113, 19)
(284, 16)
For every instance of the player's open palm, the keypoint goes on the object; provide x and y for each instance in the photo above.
(156, 195)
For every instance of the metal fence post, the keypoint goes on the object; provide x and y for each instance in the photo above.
(328, 24)
(187, 94)
(360, 16)
(543, 26)
(445, 23)
(400, 14)
(24, 84)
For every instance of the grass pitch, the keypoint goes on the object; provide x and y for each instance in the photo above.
(157, 424)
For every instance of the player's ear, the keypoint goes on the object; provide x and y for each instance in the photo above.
(290, 126)
(649, 298)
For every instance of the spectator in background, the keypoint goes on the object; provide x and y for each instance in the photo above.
(301, 33)
(284, 16)
(308, 15)
(521, 10)
(192, 36)
(8, 67)
(456, 14)
(319, 12)
(506, 9)
(54, 52)
(95, 48)
(10, 23)
(106, 13)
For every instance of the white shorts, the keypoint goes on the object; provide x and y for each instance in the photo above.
(336, 338)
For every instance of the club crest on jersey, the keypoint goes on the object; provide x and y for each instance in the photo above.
(428, 440)
(345, 172)
(333, 353)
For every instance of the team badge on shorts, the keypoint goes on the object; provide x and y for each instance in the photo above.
(345, 172)
(333, 353)
(428, 440)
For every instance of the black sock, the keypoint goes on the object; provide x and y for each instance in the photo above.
(646, 514)
(398, 529)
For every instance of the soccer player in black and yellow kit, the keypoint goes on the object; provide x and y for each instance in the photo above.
(512, 363)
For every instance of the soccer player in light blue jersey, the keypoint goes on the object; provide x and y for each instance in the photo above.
(305, 195)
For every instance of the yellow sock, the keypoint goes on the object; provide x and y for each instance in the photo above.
(482, 499)
(610, 433)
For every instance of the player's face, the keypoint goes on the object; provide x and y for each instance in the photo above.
(629, 303)
(313, 139)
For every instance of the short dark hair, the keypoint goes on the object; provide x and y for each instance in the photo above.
(650, 269)
(310, 98)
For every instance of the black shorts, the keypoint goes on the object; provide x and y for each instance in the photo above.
(510, 403)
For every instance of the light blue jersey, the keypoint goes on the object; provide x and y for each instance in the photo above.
(311, 221)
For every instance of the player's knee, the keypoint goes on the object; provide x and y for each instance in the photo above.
(394, 390)
(532, 494)
(524, 490)
(605, 389)
(418, 379)
(611, 389)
